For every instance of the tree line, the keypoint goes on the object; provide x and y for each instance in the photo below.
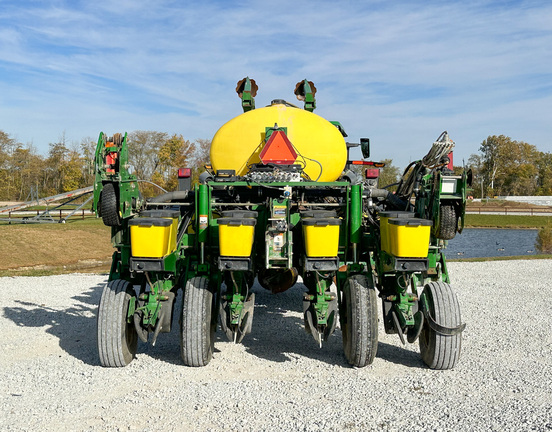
(154, 156)
(502, 167)
(505, 167)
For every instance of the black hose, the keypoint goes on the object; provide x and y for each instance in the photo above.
(393, 199)
(170, 196)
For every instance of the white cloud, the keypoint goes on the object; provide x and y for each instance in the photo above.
(399, 72)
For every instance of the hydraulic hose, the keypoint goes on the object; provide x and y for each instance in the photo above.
(393, 199)
(170, 196)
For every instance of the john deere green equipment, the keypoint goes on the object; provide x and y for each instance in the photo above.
(282, 200)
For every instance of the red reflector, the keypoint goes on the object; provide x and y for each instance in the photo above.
(184, 172)
(362, 163)
(278, 150)
(372, 173)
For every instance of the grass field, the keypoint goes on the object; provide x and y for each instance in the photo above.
(85, 245)
(509, 221)
(41, 249)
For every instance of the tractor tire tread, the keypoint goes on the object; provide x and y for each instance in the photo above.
(116, 346)
(109, 208)
(448, 222)
(361, 340)
(197, 332)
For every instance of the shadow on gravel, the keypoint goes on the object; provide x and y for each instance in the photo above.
(276, 336)
(400, 355)
(75, 327)
(167, 346)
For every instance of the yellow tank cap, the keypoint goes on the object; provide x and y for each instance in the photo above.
(238, 143)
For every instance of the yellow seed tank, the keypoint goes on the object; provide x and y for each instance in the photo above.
(239, 142)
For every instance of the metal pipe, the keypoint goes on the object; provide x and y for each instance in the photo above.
(356, 218)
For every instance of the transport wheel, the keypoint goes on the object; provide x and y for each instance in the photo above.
(117, 337)
(448, 222)
(109, 208)
(197, 335)
(441, 351)
(359, 326)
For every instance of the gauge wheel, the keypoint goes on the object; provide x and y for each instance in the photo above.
(117, 337)
(359, 325)
(197, 329)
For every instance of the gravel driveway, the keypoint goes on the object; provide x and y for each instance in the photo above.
(278, 379)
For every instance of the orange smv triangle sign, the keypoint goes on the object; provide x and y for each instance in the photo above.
(278, 150)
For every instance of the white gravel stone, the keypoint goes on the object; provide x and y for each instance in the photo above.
(278, 379)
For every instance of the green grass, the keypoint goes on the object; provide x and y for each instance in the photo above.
(508, 221)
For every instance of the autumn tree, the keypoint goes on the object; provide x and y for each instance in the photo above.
(153, 156)
(27, 168)
(73, 167)
(544, 176)
(389, 174)
(7, 145)
(143, 152)
(508, 166)
(88, 153)
(200, 157)
(173, 154)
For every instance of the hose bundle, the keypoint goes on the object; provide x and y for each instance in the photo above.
(439, 150)
(435, 158)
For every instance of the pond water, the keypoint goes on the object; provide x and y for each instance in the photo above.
(483, 243)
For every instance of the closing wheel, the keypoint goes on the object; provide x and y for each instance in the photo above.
(278, 281)
(109, 209)
(197, 335)
(448, 222)
(117, 337)
(438, 350)
(360, 323)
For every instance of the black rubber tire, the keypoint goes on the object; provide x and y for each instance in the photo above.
(359, 326)
(197, 331)
(109, 209)
(278, 281)
(448, 222)
(117, 337)
(441, 351)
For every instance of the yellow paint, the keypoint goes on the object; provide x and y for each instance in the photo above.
(239, 142)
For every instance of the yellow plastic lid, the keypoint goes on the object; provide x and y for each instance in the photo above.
(237, 222)
(321, 222)
(239, 214)
(410, 222)
(150, 222)
(160, 213)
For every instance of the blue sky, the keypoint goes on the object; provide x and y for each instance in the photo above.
(398, 72)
